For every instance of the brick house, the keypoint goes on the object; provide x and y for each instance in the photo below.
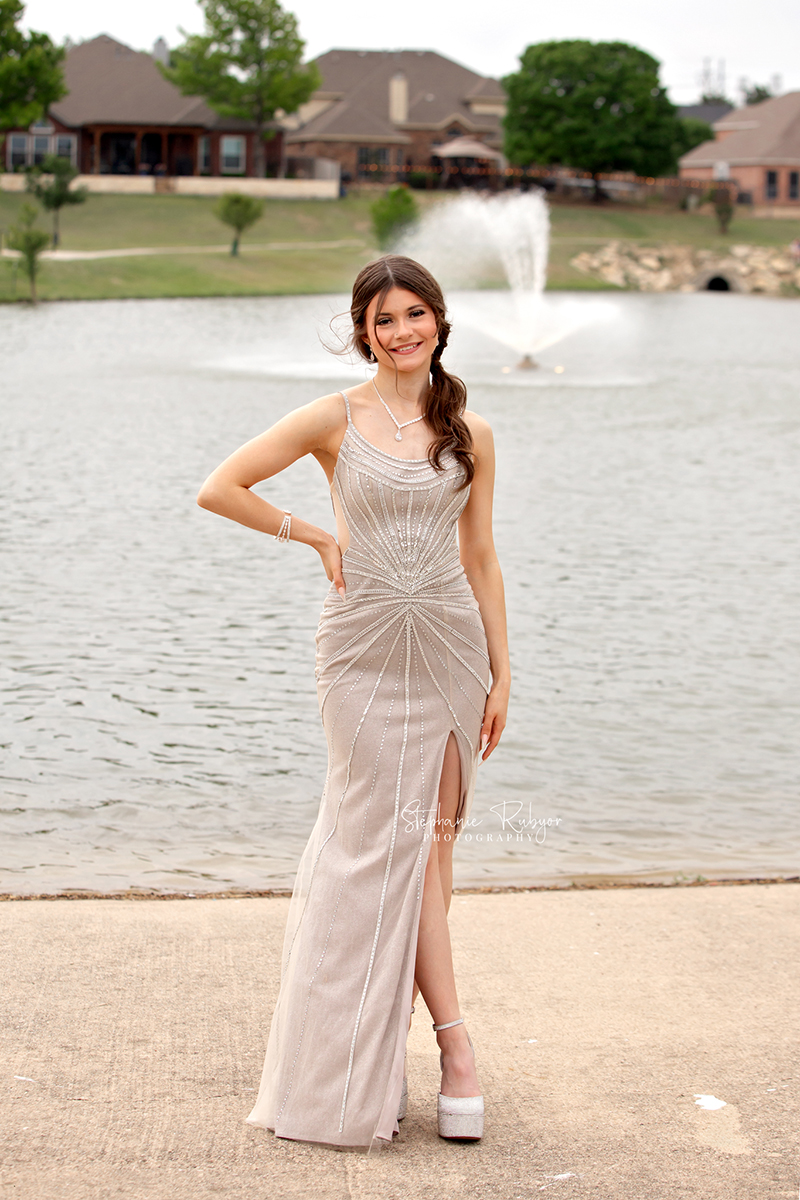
(758, 146)
(121, 117)
(386, 111)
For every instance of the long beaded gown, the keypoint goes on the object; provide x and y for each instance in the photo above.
(401, 664)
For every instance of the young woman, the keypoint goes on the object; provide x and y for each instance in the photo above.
(413, 681)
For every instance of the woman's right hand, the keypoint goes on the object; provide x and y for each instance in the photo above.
(331, 557)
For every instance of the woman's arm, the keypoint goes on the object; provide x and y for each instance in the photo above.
(316, 429)
(479, 560)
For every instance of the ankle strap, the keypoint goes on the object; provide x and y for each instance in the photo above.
(448, 1025)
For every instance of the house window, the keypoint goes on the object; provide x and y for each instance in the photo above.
(372, 160)
(232, 155)
(17, 150)
(204, 155)
(794, 185)
(63, 146)
(455, 132)
(772, 185)
(41, 147)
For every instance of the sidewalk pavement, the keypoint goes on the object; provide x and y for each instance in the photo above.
(148, 251)
(133, 1033)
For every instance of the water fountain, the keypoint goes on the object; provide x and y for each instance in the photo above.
(500, 241)
(490, 254)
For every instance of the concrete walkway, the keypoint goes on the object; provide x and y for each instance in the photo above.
(133, 1034)
(148, 251)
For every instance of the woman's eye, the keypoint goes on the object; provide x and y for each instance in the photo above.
(418, 312)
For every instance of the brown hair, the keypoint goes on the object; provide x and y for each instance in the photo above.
(446, 398)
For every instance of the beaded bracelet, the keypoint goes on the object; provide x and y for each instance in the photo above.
(285, 531)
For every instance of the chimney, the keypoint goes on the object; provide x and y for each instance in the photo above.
(161, 51)
(398, 98)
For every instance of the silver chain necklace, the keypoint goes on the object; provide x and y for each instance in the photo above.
(398, 437)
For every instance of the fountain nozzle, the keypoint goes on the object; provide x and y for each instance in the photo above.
(527, 364)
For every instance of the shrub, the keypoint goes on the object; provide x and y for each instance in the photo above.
(30, 242)
(392, 214)
(240, 212)
(723, 207)
(50, 184)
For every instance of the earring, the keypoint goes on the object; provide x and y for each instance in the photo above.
(370, 354)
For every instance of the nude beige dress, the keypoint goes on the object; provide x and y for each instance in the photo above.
(401, 664)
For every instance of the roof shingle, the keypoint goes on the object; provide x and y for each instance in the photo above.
(767, 133)
(439, 92)
(111, 84)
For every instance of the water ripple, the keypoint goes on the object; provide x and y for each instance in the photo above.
(159, 712)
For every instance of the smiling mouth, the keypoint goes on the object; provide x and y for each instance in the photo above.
(406, 349)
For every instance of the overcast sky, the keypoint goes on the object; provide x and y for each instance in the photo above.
(756, 41)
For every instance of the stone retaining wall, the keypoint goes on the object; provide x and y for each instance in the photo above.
(669, 268)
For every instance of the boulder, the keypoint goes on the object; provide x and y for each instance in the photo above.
(682, 268)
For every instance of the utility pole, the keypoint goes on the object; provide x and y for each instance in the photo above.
(706, 82)
(721, 77)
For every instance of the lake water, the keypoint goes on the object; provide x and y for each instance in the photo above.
(160, 726)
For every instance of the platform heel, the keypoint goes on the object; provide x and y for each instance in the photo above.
(403, 1106)
(460, 1117)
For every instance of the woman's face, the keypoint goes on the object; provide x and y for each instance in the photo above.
(405, 330)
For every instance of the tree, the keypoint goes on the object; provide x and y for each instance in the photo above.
(596, 106)
(392, 214)
(691, 132)
(29, 242)
(247, 65)
(720, 197)
(756, 93)
(49, 183)
(30, 70)
(238, 211)
(715, 98)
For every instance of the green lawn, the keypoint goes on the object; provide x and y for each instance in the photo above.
(113, 222)
(252, 274)
(607, 221)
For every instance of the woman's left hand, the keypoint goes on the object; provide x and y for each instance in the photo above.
(494, 718)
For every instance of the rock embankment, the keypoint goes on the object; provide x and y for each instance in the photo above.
(669, 268)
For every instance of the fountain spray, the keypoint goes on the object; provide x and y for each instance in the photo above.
(463, 241)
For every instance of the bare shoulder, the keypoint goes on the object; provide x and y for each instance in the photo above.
(318, 421)
(326, 412)
(481, 432)
(361, 395)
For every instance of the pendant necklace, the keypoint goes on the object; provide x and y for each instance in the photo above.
(398, 437)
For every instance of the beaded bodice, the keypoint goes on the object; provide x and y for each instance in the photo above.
(401, 516)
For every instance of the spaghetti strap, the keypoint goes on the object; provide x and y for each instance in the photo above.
(347, 406)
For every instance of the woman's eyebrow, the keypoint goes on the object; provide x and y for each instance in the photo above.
(411, 307)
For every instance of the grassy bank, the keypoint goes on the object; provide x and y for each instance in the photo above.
(111, 222)
(117, 222)
(254, 273)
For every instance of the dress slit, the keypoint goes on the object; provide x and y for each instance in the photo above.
(387, 1123)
